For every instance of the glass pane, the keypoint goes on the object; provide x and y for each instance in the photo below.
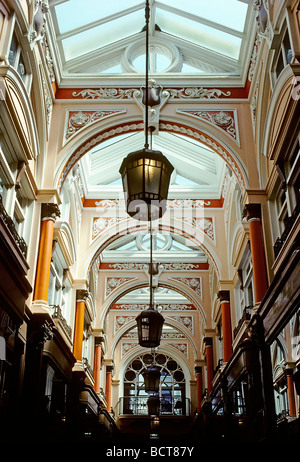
(199, 34)
(229, 13)
(103, 35)
(68, 17)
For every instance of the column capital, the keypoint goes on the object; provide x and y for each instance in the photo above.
(224, 296)
(208, 341)
(81, 295)
(50, 211)
(252, 212)
(109, 369)
(198, 369)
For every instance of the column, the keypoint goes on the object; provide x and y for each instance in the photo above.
(97, 365)
(291, 392)
(49, 214)
(209, 362)
(260, 281)
(224, 297)
(198, 371)
(109, 370)
(81, 296)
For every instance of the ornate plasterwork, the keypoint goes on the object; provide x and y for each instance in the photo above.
(171, 203)
(203, 224)
(171, 127)
(100, 224)
(166, 126)
(175, 93)
(182, 347)
(161, 307)
(77, 120)
(113, 283)
(193, 283)
(225, 120)
(186, 321)
(120, 321)
(126, 347)
(163, 266)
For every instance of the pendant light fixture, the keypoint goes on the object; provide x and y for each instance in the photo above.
(146, 173)
(146, 177)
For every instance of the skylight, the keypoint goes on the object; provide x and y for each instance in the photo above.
(207, 35)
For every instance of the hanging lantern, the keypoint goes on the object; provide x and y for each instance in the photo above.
(149, 325)
(152, 379)
(146, 177)
(153, 403)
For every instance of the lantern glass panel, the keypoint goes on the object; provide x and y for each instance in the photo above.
(149, 324)
(151, 379)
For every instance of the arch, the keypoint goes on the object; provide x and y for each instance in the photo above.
(283, 101)
(133, 286)
(88, 140)
(164, 350)
(192, 234)
(168, 322)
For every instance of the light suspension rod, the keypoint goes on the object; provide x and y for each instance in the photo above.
(147, 16)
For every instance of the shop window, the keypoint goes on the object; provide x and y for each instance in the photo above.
(287, 198)
(16, 206)
(244, 291)
(17, 61)
(59, 292)
(284, 55)
(171, 389)
(87, 347)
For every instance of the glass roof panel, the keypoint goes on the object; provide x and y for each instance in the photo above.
(71, 15)
(199, 34)
(229, 13)
(104, 34)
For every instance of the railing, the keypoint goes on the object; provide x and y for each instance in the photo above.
(13, 231)
(245, 317)
(137, 405)
(57, 314)
(289, 224)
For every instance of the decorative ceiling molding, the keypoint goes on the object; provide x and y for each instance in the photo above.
(193, 283)
(80, 119)
(225, 120)
(113, 283)
(162, 307)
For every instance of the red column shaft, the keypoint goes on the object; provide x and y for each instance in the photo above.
(209, 366)
(44, 261)
(97, 368)
(199, 390)
(260, 281)
(227, 335)
(108, 390)
(291, 395)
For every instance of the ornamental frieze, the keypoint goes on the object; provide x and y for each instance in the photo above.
(171, 203)
(162, 307)
(175, 93)
(143, 266)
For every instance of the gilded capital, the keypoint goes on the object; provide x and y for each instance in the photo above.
(50, 211)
